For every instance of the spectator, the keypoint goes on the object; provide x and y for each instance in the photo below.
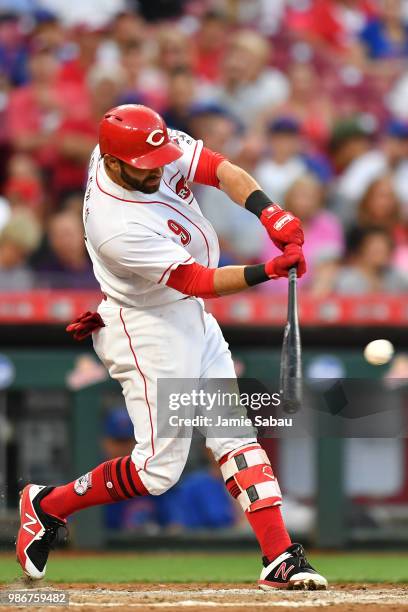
(180, 97)
(23, 187)
(324, 242)
(13, 49)
(360, 164)
(395, 150)
(77, 134)
(210, 43)
(18, 239)
(267, 17)
(48, 33)
(381, 208)
(283, 163)
(143, 83)
(18, 6)
(385, 36)
(66, 263)
(369, 265)
(249, 86)
(356, 162)
(333, 25)
(397, 98)
(174, 50)
(36, 110)
(126, 30)
(308, 104)
(73, 202)
(87, 40)
(215, 125)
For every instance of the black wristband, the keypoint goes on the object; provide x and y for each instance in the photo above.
(257, 201)
(255, 274)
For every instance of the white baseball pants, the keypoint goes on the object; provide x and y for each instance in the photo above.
(177, 340)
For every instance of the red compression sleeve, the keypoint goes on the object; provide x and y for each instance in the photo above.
(206, 172)
(193, 279)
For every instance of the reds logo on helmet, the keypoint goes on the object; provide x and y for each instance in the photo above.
(154, 140)
(179, 230)
(182, 189)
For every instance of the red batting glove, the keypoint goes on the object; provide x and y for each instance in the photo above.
(283, 227)
(85, 325)
(280, 266)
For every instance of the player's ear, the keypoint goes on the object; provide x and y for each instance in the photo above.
(112, 162)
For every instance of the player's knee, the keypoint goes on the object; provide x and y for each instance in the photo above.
(160, 482)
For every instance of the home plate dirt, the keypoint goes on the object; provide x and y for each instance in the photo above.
(163, 597)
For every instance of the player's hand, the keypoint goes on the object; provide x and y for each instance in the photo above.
(280, 266)
(85, 325)
(283, 228)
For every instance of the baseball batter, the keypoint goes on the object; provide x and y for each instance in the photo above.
(155, 257)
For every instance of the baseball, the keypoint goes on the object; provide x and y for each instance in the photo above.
(378, 352)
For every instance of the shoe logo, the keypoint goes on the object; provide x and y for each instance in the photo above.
(283, 571)
(31, 521)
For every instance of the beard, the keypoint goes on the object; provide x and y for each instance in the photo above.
(145, 186)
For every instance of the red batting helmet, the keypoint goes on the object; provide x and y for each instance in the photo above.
(138, 136)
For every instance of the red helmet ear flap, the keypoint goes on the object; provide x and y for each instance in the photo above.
(138, 136)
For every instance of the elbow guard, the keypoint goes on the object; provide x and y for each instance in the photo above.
(193, 279)
(206, 172)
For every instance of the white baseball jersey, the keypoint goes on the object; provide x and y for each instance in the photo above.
(135, 239)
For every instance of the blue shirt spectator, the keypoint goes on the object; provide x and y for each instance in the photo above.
(18, 6)
(379, 44)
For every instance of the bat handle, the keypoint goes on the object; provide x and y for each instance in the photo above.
(292, 274)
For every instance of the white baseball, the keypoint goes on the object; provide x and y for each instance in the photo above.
(379, 352)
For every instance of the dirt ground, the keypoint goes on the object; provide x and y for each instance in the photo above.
(232, 598)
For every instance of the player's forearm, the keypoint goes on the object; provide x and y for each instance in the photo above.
(236, 182)
(199, 281)
(233, 279)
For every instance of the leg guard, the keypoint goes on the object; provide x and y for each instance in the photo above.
(249, 478)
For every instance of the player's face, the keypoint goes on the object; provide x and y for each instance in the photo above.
(146, 181)
(133, 179)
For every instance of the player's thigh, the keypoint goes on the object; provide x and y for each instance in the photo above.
(217, 360)
(140, 347)
(221, 366)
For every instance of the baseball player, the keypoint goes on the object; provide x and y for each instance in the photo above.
(155, 257)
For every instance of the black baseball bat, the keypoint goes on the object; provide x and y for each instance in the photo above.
(291, 358)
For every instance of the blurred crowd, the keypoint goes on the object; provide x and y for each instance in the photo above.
(309, 96)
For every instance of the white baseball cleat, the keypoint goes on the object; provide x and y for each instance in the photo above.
(291, 570)
(38, 532)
